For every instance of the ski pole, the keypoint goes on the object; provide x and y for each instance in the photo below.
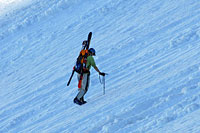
(104, 86)
(104, 83)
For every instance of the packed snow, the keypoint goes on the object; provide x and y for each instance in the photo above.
(150, 49)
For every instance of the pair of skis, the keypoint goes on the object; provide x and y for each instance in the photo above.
(86, 47)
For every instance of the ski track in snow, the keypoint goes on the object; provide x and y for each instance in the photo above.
(149, 48)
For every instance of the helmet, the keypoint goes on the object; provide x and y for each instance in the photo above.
(92, 50)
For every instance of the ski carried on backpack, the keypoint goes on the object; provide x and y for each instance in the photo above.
(80, 66)
(89, 40)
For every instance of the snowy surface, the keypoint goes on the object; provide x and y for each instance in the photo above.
(9, 6)
(149, 48)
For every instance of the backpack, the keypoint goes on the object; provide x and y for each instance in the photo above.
(81, 62)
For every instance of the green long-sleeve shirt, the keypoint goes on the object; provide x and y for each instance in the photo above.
(90, 62)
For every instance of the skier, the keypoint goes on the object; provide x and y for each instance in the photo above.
(79, 99)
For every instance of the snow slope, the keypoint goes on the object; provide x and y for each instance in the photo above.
(149, 48)
(9, 6)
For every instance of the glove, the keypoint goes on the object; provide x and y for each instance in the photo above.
(101, 73)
